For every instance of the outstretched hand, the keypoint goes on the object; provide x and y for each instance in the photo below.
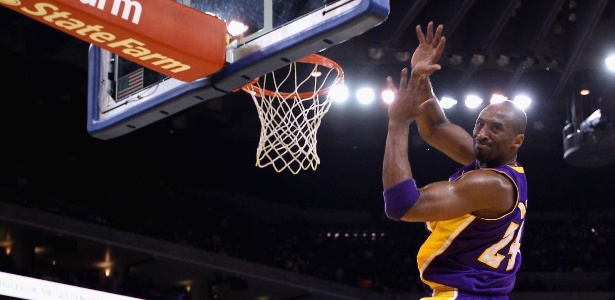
(425, 58)
(407, 105)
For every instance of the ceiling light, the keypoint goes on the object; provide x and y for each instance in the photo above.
(477, 59)
(503, 60)
(236, 28)
(539, 125)
(403, 56)
(522, 101)
(497, 98)
(527, 63)
(473, 101)
(610, 62)
(456, 59)
(365, 95)
(376, 53)
(592, 121)
(339, 93)
(388, 96)
(584, 89)
(447, 102)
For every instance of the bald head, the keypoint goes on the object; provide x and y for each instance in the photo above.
(499, 133)
(514, 114)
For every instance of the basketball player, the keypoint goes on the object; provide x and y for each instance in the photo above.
(475, 218)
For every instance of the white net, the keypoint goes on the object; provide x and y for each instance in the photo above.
(291, 103)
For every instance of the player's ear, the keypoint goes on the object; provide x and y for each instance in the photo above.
(518, 140)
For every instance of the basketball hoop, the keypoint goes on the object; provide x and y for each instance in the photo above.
(291, 102)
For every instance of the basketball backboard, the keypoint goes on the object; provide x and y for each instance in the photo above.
(124, 96)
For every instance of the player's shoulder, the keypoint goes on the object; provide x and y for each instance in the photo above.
(487, 177)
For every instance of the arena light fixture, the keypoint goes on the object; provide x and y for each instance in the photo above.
(376, 52)
(477, 59)
(447, 102)
(236, 28)
(522, 101)
(456, 59)
(497, 98)
(473, 101)
(610, 62)
(527, 63)
(503, 60)
(339, 93)
(403, 56)
(365, 95)
(388, 96)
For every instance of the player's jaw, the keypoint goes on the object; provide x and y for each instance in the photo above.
(483, 151)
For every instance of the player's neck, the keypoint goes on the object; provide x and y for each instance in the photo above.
(481, 165)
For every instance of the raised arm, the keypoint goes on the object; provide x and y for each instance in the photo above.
(407, 107)
(437, 201)
(434, 127)
(402, 112)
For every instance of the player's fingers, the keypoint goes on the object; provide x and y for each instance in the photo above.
(403, 80)
(439, 49)
(419, 34)
(433, 68)
(426, 103)
(438, 35)
(390, 84)
(429, 37)
(428, 70)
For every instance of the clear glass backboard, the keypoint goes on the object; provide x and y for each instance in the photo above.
(124, 96)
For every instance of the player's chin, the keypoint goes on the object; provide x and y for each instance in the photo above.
(481, 153)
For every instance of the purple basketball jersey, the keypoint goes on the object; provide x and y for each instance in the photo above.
(473, 255)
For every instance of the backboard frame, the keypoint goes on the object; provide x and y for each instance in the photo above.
(328, 26)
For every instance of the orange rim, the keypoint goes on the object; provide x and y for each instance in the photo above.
(313, 59)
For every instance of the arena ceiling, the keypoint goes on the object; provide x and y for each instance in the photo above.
(551, 49)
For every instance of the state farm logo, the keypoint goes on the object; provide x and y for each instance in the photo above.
(128, 6)
(11, 2)
(91, 30)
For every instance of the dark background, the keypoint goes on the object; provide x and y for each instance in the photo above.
(213, 145)
(48, 155)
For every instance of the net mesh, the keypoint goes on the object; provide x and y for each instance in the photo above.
(291, 103)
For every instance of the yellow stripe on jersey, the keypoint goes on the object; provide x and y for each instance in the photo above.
(523, 209)
(518, 169)
(442, 295)
(443, 234)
